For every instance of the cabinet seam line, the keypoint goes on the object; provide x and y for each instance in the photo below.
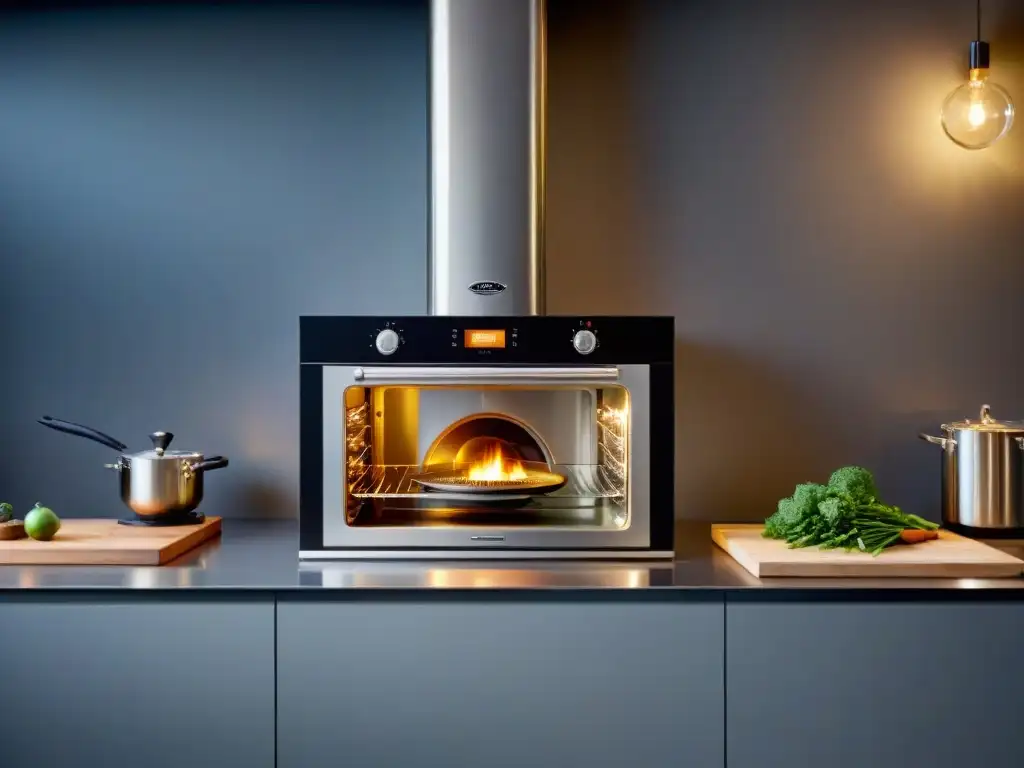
(725, 681)
(275, 681)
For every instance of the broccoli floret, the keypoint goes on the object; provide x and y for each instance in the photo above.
(807, 495)
(855, 482)
(787, 514)
(835, 511)
(794, 511)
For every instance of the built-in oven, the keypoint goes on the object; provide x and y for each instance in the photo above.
(508, 437)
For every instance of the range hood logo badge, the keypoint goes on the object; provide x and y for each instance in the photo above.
(487, 287)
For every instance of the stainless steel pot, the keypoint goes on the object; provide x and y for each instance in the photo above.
(155, 483)
(982, 468)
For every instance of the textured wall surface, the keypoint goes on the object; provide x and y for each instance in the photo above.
(177, 185)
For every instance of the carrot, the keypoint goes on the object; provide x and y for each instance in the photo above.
(915, 535)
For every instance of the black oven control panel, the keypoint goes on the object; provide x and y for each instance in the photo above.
(448, 340)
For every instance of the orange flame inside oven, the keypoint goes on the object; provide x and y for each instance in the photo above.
(495, 467)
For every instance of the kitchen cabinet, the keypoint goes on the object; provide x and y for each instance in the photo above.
(886, 684)
(500, 684)
(124, 682)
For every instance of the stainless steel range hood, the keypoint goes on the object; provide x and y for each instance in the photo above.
(487, 91)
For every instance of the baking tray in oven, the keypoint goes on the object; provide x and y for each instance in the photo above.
(449, 482)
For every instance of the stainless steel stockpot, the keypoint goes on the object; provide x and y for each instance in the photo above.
(982, 467)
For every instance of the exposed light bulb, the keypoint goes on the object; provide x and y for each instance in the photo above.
(978, 113)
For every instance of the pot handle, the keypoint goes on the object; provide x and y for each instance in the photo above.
(942, 442)
(69, 427)
(214, 462)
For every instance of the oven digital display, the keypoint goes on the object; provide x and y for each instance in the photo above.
(485, 339)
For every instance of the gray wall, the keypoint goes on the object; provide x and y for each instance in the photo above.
(774, 175)
(177, 186)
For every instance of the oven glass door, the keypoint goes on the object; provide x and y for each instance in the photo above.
(486, 457)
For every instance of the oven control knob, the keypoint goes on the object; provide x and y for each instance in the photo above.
(584, 342)
(387, 342)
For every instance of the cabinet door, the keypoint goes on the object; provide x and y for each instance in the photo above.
(887, 685)
(502, 684)
(136, 683)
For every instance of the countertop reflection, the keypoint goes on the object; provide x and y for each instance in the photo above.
(263, 555)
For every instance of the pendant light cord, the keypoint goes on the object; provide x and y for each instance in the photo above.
(979, 21)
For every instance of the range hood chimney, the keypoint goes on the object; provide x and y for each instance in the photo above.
(487, 92)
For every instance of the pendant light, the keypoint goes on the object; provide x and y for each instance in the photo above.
(978, 113)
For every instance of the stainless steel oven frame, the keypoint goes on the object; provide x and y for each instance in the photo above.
(336, 357)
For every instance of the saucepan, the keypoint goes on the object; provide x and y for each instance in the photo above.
(156, 483)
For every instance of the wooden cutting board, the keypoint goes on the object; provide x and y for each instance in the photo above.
(104, 542)
(950, 556)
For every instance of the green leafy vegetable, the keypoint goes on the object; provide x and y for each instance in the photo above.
(6, 512)
(845, 513)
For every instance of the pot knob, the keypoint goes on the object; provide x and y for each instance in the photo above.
(160, 441)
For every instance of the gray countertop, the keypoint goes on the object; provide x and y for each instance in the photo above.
(262, 555)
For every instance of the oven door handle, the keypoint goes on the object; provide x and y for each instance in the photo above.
(413, 374)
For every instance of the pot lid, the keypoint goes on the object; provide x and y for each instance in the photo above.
(157, 454)
(986, 423)
(159, 450)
